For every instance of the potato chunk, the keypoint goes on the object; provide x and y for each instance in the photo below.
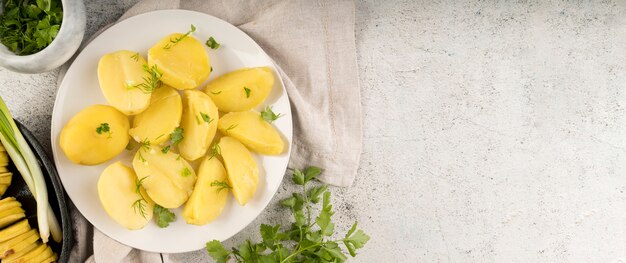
(169, 179)
(241, 90)
(243, 173)
(121, 74)
(250, 129)
(123, 198)
(95, 135)
(184, 64)
(163, 116)
(199, 123)
(209, 194)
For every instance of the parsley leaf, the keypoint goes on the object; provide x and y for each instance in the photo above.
(176, 136)
(206, 117)
(185, 172)
(104, 127)
(212, 43)
(163, 216)
(247, 90)
(268, 115)
(165, 149)
(217, 251)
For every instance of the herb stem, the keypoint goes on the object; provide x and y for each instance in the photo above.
(309, 247)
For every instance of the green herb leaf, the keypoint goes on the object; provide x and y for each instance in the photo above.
(206, 117)
(177, 136)
(215, 151)
(165, 149)
(104, 128)
(297, 177)
(232, 126)
(175, 41)
(247, 90)
(311, 172)
(268, 115)
(316, 192)
(163, 216)
(221, 185)
(217, 251)
(323, 220)
(211, 43)
(185, 172)
(135, 57)
(269, 234)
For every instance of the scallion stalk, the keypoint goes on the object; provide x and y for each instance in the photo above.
(28, 166)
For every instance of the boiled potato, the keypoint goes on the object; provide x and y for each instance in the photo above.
(163, 116)
(169, 178)
(243, 173)
(250, 129)
(241, 90)
(184, 64)
(117, 189)
(209, 194)
(121, 74)
(84, 139)
(199, 123)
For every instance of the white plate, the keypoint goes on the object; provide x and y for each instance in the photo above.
(80, 89)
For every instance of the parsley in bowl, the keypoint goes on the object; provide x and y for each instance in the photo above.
(39, 35)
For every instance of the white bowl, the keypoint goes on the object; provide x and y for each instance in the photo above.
(59, 51)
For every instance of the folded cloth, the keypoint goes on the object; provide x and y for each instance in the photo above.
(313, 45)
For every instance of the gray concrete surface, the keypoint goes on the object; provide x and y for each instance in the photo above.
(493, 130)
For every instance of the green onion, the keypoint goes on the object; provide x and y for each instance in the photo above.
(28, 166)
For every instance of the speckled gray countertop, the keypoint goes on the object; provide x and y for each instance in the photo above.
(493, 131)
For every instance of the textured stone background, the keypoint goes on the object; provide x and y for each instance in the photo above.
(493, 130)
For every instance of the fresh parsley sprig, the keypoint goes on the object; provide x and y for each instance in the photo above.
(211, 43)
(269, 116)
(305, 240)
(104, 128)
(176, 136)
(163, 216)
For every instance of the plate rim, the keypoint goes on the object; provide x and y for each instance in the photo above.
(277, 72)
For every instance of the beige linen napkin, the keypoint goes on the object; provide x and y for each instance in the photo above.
(313, 44)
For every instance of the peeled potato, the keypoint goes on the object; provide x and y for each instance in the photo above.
(119, 73)
(200, 118)
(12, 245)
(243, 173)
(117, 189)
(163, 116)
(250, 129)
(169, 179)
(185, 64)
(82, 143)
(207, 201)
(229, 91)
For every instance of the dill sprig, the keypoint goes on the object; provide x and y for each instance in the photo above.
(151, 83)
(140, 204)
(215, 151)
(174, 42)
(221, 185)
